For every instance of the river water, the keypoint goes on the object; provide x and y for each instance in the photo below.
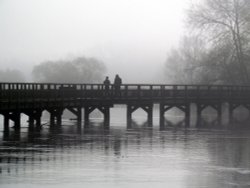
(139, 156)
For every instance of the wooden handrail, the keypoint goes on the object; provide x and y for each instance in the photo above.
(84, 86)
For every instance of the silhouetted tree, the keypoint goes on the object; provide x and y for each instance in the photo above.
(192, 62)
(78, 70)
(226, 24)
(11, 75)
(221, 53)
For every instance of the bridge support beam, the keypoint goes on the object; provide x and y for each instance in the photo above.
(187, 115)
(78, 113)
(185, 107)
(34, 117)
(87, 112)
(6, 121)
(15, 117)
(55, 116)
(31, 121)
(148, 108)
(104, 109)
(106, 112)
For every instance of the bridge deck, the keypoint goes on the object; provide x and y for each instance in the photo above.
(24, 94)
(33, 98)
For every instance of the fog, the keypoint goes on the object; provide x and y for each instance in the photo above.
(131, 37)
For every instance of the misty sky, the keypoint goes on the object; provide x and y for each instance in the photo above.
(128, 35)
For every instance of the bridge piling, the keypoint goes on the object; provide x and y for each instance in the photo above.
(162, 118)
(106, 112)
(6, 121)
(200, 107)
(38, 116)
(129, 115)
(13, 116)
(52, 119)
(150, 115)
(55, 116)
(59, 118)
(187, 115)
(31, 121)
(16, 118)
(87, 111)
(34, 117)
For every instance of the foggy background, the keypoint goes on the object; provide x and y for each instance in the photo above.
(144, 41)
(132, 38)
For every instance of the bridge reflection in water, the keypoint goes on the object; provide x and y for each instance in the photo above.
(95, 157)
(33, 99)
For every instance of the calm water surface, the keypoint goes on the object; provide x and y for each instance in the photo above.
(139, 156)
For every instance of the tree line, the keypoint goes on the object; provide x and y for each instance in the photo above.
(77, 70)
(217, 51)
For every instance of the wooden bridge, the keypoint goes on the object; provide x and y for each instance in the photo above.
(34, 98)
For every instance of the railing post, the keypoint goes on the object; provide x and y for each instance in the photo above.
(162, 92)
(151, 91)
(198, 92)
(175, 91)
(139, 91)
(126, 91)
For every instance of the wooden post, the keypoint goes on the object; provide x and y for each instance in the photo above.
(59, 118)
(86, 114)
(38, 121)
(31, 120)
(187, 115)
(17, 120)
(56, 116)
(162, 112)
(6, 121)
(129, 115)
(150, 115)
(52, 118)
(199, 114)
(38, 115)
(79, 115)
(106, 113)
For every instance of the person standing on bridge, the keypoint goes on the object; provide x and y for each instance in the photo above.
(106, 83)
(117, 85)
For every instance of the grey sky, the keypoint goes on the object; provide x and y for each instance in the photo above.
(128, 35)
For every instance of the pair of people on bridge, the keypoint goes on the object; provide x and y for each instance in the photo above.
(116, 86)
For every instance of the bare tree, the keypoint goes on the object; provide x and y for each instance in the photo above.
(78, 70)
(226, 24)
(185, 64)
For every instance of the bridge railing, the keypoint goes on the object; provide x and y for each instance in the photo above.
(58, 91)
